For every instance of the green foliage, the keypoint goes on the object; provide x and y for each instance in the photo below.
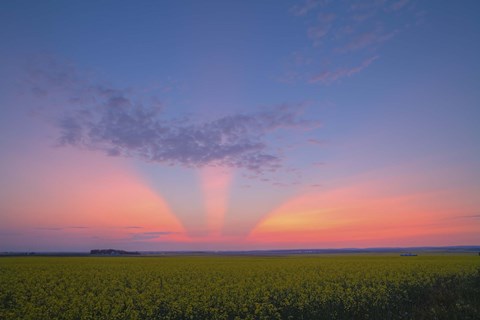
(292, 287)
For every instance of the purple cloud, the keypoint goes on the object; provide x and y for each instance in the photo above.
(117, 122)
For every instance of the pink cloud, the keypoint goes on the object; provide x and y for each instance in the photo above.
(318, 32)
(323, 27)
(366, 40)
(398, 5)
(316, 141)
(361, 41)
(328, 77)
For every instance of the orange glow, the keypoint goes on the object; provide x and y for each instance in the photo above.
(364, 214)
(96, 200)
(93, 195)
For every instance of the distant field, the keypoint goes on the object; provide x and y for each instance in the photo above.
(229, 287)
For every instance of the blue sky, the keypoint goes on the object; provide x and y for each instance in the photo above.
(286, 100)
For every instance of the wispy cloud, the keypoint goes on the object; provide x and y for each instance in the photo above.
(472, 216)
(322, 27)
(316, 33)
(316, 141)
(318, 164)
(327, 77)
(342, 32)
(366, 40)
(61, 228)
(116, 121)
(50, 228)
(398, 5)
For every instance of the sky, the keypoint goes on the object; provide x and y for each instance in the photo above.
(239, 125)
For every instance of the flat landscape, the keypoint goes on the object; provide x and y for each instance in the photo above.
(355, 286)
(227, 160)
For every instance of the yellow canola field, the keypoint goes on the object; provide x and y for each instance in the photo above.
(241, 287)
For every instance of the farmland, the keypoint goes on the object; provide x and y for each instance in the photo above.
(241, 287)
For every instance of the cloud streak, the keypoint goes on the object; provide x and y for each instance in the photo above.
(306, 7)
(473, 216)
(150, 235)
(61, 228)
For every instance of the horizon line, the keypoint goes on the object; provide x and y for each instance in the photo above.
(257, 250)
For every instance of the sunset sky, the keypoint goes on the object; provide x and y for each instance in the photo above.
(239, 125)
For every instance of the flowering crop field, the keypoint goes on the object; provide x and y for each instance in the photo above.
(241, 287)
